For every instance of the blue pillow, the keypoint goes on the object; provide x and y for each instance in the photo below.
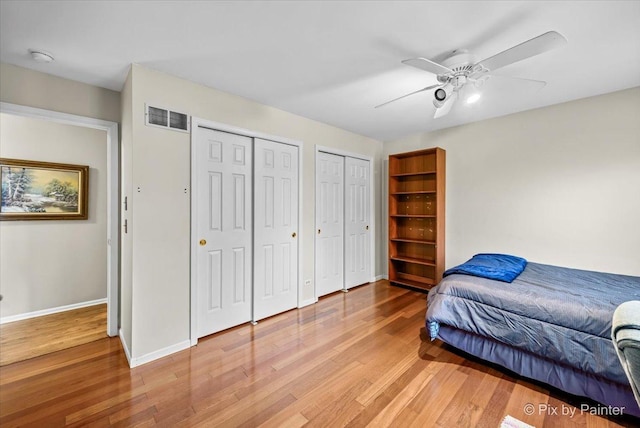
(501, 267)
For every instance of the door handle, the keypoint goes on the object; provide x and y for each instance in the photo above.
(367, 227)
(318, 231)
(203, 242)
(293, 235)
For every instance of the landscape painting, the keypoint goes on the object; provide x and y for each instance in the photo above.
(33, 190)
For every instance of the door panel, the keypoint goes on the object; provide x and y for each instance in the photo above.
(357, 222)
(329, 223)
(223, 204)
(276, 228)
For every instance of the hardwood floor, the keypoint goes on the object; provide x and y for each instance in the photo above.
(354, 359)
(21, 340)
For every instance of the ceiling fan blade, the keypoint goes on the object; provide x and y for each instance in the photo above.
(426, 65)
(446, 107)
(543, 43)
(407, 95)
(534, 83)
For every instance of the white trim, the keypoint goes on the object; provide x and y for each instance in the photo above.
(372, 241)
(196, 124)
(113, 197)
(193, 305)
(125, 346)
(217, 126)
(155, 355)
(42, 312)
(152, 356)
(301, 303)
(379, 277)
(340, 152)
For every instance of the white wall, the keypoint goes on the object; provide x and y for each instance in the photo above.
(47, 264)
(161, 169)
(557, 185)
(34, 89)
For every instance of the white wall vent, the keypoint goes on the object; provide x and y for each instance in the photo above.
(164, 118)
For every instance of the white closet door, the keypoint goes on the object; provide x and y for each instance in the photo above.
(357, 222)
(329, 223)
(224, 254)
(276, 228)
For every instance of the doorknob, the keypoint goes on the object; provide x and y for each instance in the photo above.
(293, 235)
(318, 231)
(203, 242)
(367, 227)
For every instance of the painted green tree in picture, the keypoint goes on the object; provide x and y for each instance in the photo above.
(61, 191)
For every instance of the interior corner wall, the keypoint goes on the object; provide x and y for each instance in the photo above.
(161, 200)
(126, 242)
(26, 87)
(47, 264)
(557, 185)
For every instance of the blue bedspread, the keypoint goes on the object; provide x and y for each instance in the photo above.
(501, 267)
(561, 314)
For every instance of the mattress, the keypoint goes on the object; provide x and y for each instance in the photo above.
(561, 315)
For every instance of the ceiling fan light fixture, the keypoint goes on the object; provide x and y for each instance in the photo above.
(473, 98)
(41, 56)
(440, 94)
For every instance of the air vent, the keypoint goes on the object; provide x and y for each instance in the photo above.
(164, 118)
(178, 121)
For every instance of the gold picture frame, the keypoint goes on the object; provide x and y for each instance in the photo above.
(33, 190)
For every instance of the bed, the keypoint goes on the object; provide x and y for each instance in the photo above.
(551, 324)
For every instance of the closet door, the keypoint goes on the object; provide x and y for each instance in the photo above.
(276, 228)
(223, 226)
(329, 223)
(357, 222)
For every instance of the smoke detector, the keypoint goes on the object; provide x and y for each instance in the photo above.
(41, 56)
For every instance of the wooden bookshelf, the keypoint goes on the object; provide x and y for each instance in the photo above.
(416, 218)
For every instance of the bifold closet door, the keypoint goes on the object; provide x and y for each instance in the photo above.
(357, 263)
(224, 230)
(329, 223)
(276, 228)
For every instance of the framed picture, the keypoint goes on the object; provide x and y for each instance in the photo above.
(43, 191)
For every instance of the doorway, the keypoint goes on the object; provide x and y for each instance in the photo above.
(112, 203)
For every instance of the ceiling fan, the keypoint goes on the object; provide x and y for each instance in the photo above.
(460, 76)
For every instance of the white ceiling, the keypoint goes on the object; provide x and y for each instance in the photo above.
(333, 61)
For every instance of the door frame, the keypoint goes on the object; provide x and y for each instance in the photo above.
(372, 241)
(113, 194)
(196, 124)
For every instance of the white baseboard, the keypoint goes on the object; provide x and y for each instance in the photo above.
(379, 277)
(152, 356)
(20, 317)
(125, 346)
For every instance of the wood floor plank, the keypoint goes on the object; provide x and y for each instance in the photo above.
(523, 395)
(278, 421)
(389, 413)
(354, 359)
(384, 379)
(25, 339)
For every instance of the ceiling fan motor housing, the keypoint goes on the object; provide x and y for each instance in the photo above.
(459, 61)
